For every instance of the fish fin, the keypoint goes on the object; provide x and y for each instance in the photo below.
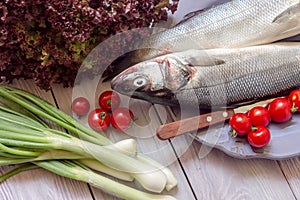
(205, 62)
(295, 38)
(196, 12)
(190, 15)
(201, 58)
(292, 12)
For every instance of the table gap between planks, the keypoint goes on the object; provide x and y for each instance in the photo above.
(211, 177)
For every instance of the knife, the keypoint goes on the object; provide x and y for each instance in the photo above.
(192, 124)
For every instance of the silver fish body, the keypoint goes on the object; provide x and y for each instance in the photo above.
(214, 78)
(237, 23)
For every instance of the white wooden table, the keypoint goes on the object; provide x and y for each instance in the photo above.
(213, 177)
(216, 176)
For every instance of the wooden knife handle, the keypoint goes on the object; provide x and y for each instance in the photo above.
(192, 124)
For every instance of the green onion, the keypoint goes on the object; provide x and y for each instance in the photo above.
(26, 138)
(78, 172)
(98, 166)
(17, 171)
(171, 180)
(47, 111)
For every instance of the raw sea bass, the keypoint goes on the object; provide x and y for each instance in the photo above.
(238, 23)
(215, 77)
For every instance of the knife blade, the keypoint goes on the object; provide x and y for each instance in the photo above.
(192, 124)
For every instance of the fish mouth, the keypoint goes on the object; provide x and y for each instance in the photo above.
(122, 83)
(122, 86)
(119, 79)
(119, 84)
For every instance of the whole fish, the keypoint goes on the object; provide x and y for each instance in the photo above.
(215, 77)
(237, 23)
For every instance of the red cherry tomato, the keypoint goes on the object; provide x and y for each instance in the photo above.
(80, 106)
(280, 110)
(259, 116)
(99, 119)
(294, 98)
(109, 100)
(122, 119)
(259, 137)
(240, 123)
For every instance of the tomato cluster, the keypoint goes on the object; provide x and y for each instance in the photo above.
(109, 112)
(253, 124)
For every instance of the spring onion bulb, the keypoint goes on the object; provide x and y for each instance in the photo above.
(127, 146)
(171, 180)
(26, 138)
(98, 166)
(78, 172)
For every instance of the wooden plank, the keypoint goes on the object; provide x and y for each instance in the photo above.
(40, 183)
(144, 132)
(214, 175)
(227, 177)
(291, 170)
(232, 178)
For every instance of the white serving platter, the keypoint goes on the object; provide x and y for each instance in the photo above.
(284, 143)
(285, 138)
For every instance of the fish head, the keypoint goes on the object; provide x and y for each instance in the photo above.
(154, 80)
(141, 77)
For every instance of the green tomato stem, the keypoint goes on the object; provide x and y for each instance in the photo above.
(253, 128)
(233, 133)
(294, 108)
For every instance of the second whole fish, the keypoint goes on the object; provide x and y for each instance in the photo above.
(237, 23)
(214, 78)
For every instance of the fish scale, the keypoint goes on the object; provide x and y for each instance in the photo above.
(266, 74)
(238, 23)
(261, 58)
(235, 24)
(216, 77)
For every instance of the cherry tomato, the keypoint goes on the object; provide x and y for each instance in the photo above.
(259, 116)
(99, 119)
(122, 119)
(294, 98)
(240, 123)
(80, 106)
(109, 100)
(259, 137)
(280, 110)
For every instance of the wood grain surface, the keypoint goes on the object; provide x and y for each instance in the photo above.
(202, 172)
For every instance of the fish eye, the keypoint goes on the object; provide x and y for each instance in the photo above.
(139, 82)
